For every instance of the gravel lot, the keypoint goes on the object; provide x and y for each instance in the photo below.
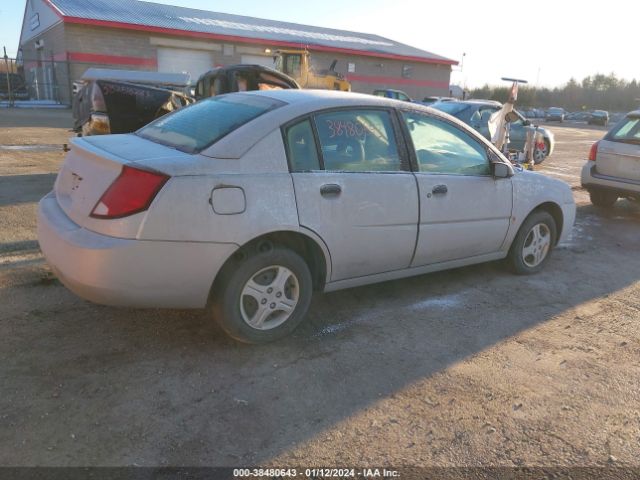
(470, 367)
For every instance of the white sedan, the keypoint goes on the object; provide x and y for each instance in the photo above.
(248, 202)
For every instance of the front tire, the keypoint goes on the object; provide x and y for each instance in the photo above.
(533, 244)
(264, 296)
(603, 198)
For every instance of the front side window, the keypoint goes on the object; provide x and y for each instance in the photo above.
(443, 148)
(301, 148)
(358, 141)
(200, 125)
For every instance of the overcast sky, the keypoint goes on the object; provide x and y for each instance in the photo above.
(545, 41)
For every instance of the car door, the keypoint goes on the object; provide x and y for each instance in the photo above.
(354, 189)
(464, 211)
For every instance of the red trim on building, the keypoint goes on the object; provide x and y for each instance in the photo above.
(395, 80)
(233, 38)
(111, 59)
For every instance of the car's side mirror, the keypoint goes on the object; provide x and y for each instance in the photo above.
(526, 123)
(501, 170)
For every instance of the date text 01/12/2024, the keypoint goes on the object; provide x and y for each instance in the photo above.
(310, 473)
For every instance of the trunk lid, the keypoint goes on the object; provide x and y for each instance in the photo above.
(91, 167)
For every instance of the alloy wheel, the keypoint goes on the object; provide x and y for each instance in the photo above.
(536, 245)
(269, 297)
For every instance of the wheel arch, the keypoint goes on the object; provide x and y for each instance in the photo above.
(304, 242)
(555, 211)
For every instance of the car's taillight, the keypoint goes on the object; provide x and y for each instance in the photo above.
(132, 192)
(593, 152)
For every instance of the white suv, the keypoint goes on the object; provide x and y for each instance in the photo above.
(613, 169)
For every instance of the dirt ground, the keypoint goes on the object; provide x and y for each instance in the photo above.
(470, 367)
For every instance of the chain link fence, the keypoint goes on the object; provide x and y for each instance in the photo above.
(40, 79)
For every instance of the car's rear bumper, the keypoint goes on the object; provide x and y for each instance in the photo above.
(591, 179)
(125, 272)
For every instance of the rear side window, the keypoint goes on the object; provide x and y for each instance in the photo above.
(197, 127)
(627, 131)
(358, 141)
(301, 148)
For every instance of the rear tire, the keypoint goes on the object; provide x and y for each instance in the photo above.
(603, 198)
(264, 296)
(533, 244)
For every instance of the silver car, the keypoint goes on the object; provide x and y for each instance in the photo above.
(249, 202)
(613, 168)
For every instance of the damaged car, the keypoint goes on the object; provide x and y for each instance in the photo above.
(122, 101)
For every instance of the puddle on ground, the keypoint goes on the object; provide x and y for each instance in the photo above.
(33, 148)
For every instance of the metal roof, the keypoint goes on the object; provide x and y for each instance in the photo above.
(171, 19)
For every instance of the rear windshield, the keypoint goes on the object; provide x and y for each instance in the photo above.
(199, 126)
(627, 131)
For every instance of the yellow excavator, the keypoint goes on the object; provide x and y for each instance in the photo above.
(296, 64)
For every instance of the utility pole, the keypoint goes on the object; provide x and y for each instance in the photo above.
(6, 62)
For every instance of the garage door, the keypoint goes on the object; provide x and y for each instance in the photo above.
(257, 60)
(178, 60)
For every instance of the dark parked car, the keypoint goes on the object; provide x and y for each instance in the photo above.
(18, 87)
(476, 113)
(578, 116)
(599, 117)
(395, 94)
(555, 114)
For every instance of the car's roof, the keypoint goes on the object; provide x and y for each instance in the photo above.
(299, 103)
(329, 97)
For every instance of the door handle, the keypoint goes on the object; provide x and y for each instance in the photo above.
(439, 190)
(330, 189)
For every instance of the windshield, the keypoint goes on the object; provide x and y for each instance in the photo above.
(199, 126)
